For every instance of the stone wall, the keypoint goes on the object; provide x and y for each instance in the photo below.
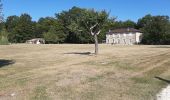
(121, 38)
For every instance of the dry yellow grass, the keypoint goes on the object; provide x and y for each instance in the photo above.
(69, 72)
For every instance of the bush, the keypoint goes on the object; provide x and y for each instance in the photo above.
(4, 41)
(4, 37)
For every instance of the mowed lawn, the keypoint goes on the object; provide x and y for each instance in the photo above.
(73, 72)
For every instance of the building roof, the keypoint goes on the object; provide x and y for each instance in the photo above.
(35, 39)
(123, 30)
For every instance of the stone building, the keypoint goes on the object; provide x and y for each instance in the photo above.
(36, 41)
(124, 36)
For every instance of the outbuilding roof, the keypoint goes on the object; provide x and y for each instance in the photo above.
(35, 39)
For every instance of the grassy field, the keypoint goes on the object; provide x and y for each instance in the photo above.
(73, 72)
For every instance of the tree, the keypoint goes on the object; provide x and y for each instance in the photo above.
(50, 36)
(155, 28)
(50, 29)
(44, 24)
(54, 36)
(129, 23)
(11, 25)
(25, 28)
(3, 32)
(21, 28)
(124, 24)
(70, 20)
(93, 21)
(83, 25)
(2, 22)
(143, 22)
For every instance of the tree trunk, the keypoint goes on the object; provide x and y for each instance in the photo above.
(96, 44)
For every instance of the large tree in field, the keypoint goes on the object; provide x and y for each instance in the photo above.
(83, 25)
(94, 21)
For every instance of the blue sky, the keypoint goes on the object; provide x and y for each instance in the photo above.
(122, 9)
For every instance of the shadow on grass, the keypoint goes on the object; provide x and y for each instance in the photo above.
(80, 53)
(162, 79)
(4, 62)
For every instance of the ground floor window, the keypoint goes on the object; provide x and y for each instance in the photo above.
(130, 41)
(124, 41)
(118, 41)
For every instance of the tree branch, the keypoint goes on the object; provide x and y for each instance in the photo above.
(98, 32)
(92, 32)
(92, 27)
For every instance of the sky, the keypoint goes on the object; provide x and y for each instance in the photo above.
(122, 9)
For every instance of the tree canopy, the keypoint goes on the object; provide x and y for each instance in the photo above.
(156, 29)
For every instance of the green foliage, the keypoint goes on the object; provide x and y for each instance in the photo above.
(44, 25)
(70, 20)
(54, 36)
(94, 21)
(125, 24)
(4, 41)
(155, 28)
(21, 28)
(1, 12)
(4, 37)
(77, 23)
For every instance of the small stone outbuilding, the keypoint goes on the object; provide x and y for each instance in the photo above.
(36, 41)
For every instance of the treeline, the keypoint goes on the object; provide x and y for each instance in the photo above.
(65, 27)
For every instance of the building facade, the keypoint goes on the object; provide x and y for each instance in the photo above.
(124, 36)
(36, 41)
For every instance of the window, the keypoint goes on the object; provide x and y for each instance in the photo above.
(124, 41)
(107, 40)
(118, 41)
(130, 41)
(113, 40)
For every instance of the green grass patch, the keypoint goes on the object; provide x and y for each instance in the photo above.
(40, 93)
(4, 41)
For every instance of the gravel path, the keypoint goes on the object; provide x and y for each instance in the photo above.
(164, 94)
